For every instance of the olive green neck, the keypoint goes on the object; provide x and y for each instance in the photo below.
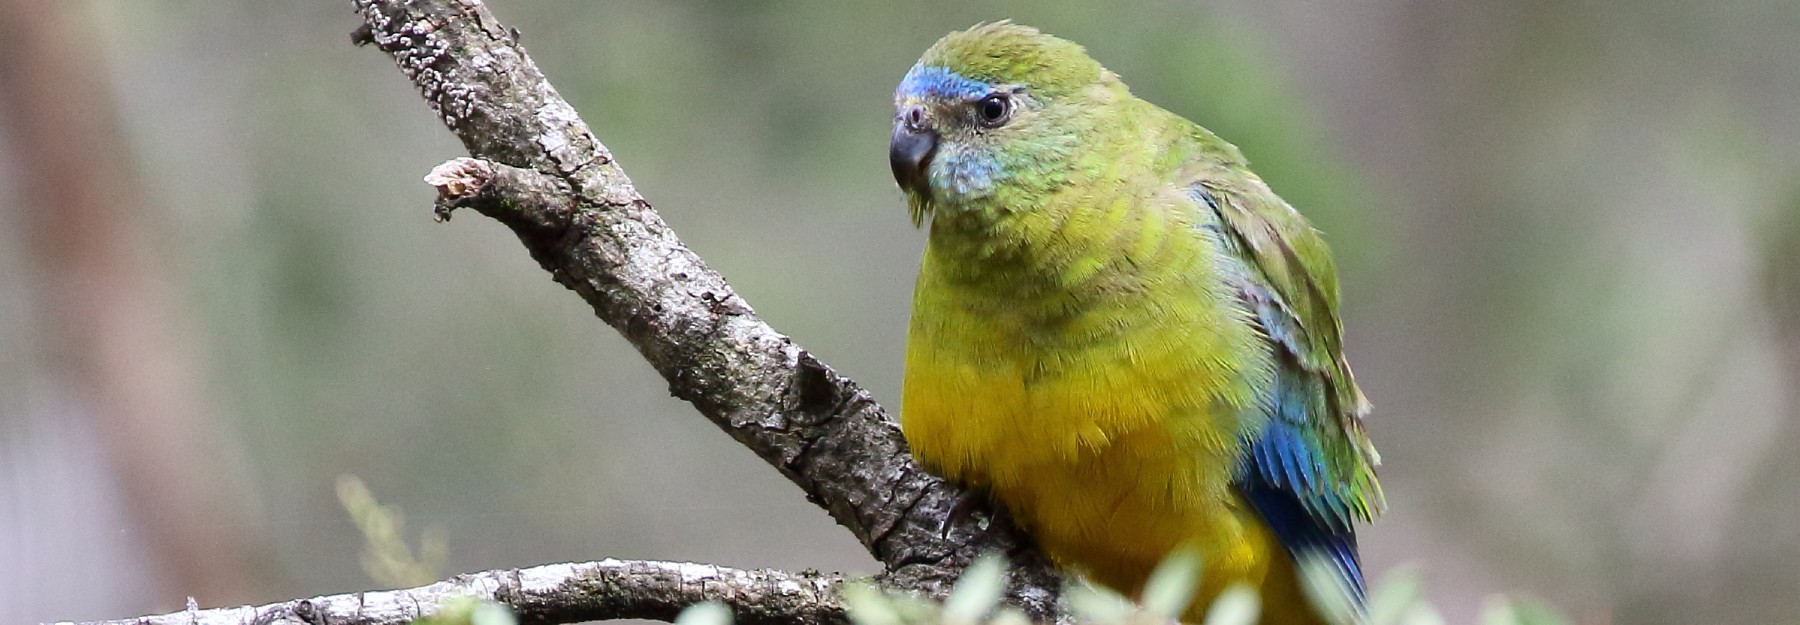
(1066, 257)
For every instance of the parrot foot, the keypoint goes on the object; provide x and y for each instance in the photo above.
(967, 505)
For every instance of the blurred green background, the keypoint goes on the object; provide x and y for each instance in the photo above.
(1566, 233)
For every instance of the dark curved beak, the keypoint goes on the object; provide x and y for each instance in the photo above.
(910, 156)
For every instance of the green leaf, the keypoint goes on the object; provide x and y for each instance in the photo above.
(491, 613)
(868, 606)
(1504, 610)
(1394, 597)
(1421, 613)
(976, 591)
(1171, 586)
(704, 613)
(1238, 605)
(386, 557)
(1092, 604)
(1008, 615)
(466, 610)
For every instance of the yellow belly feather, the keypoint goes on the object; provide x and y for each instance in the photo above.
(1107, 473)
(1111, 454)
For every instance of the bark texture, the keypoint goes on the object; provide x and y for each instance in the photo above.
(536, 168)
(559, 593)
(540, 171)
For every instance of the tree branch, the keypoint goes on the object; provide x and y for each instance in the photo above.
(544, 175)
(540, 171)
(560, 593)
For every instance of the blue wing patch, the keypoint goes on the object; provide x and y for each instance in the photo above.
(1271, 476)
(1284, 478)
(1282, 472)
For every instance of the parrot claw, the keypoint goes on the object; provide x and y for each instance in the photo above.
(968, 504)
(958, 512)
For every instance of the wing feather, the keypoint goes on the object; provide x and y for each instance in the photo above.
(1310, 471)
(1314, 444)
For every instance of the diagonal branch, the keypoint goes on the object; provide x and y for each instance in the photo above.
(560, 593)
(544, 175)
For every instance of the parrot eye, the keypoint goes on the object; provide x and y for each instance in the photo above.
(994, 109)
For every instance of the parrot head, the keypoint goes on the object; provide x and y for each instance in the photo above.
(992, 117)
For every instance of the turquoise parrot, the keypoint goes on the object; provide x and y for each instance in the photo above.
(1123, 335)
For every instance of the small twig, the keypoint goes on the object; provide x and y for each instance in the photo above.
(559, 593)
(524, 199)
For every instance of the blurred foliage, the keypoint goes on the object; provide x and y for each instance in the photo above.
(975, 600)
(385, 556)
(705, 613)
(1395, 600)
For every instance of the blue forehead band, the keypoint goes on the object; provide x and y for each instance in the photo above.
(937, 81)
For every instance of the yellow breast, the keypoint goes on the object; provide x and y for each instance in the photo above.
(1102, 401)
(1109, 470)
